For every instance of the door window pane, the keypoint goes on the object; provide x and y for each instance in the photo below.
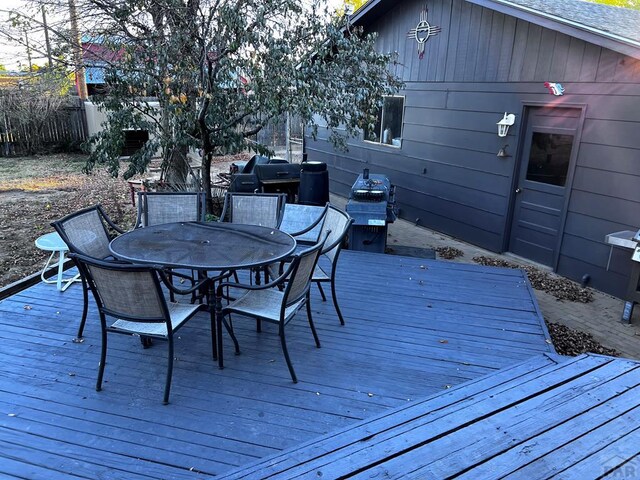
(549, 158)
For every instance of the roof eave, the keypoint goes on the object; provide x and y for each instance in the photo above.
(364, 11)
(603, 39)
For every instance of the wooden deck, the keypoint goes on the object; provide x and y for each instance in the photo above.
(413, 328)
(579, 419)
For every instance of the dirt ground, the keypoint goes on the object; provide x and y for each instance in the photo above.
(34, 191)
(37, 190)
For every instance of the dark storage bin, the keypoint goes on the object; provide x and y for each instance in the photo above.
(314, 184)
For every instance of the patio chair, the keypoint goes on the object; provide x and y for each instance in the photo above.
(268, 303)
(132, 295)
(305, 224)
(155, 208)
(336, 226)
(264, 209)
(87, 232)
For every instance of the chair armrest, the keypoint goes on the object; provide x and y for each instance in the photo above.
(244, 286)
(316, 222)
(174, 289)
(110, 223)
(179, 275)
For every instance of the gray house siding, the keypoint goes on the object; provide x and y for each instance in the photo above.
(482, 64)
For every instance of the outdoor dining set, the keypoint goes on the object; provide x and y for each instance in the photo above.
(150, 281)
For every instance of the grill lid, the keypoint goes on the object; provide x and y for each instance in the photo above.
(371, 188)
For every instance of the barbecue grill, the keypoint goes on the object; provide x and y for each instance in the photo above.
(372, 206)
(633, 290)
(266, 175)
(629, 240)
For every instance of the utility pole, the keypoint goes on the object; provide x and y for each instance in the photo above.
(77, 52)
(46, 37)
(26, 38)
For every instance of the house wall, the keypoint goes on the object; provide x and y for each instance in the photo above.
(481, 65)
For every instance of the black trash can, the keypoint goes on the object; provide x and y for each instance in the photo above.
(314, 184)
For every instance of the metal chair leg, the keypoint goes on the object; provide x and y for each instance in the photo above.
(229, 326)
(313, 327)
(335, 301)
(324, 298)
(167, 385)
(85, 309)
(214, 340)
(103, 359)
(286, 354)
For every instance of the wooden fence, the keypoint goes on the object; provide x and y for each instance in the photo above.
(64, 130)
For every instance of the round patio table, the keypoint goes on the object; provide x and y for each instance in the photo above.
(209, 247)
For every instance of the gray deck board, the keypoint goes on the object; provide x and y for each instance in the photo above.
(414, 328)
(576, 419)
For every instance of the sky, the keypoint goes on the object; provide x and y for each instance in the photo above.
(9, 53)
(13, 56)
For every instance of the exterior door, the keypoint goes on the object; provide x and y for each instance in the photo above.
(544, 179)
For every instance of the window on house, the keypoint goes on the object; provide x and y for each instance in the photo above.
(388, 127)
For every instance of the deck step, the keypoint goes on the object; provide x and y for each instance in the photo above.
(534, 420)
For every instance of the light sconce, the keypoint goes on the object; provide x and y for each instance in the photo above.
(502, 153)
(504, 124)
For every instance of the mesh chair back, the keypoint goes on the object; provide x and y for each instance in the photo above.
(255, 209)
(304, 222)
(337, 225)
(157, 208)
(84, 232)
(129, 292)
(302, 269)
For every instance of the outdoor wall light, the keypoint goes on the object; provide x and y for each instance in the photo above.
(502, 153)
(504, 124)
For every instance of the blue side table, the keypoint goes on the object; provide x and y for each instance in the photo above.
(51, 242)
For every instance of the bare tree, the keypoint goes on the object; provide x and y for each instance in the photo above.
(27, 107)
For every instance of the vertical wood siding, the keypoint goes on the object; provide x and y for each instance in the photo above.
(482, 64)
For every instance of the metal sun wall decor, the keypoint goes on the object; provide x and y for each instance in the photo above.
(554, 88)
(423, 31)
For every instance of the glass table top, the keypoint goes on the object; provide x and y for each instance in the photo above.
(204, 246)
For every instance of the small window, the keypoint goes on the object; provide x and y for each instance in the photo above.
(388, 127)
